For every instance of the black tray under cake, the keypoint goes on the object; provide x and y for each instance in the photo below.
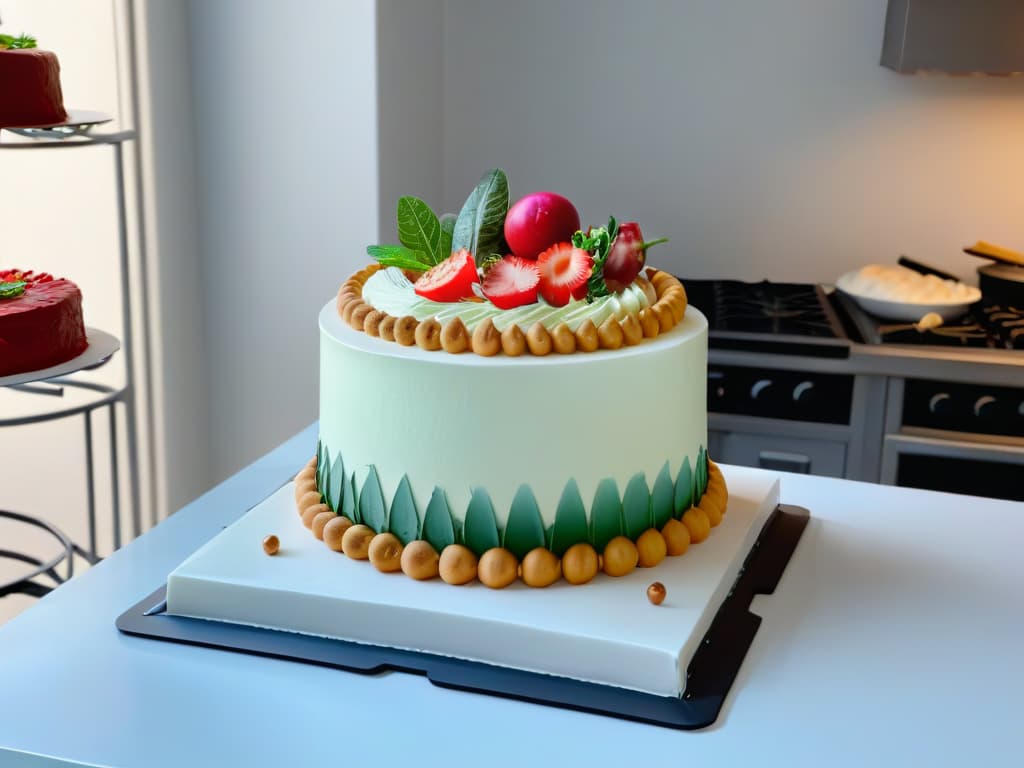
(709, 677)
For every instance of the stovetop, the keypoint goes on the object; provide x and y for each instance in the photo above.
(807, 319)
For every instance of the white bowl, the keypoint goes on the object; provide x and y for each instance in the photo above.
(907, 311)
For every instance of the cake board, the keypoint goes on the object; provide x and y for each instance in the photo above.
(714, 655)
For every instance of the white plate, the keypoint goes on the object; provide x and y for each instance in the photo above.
(910, 312)
(101, 346)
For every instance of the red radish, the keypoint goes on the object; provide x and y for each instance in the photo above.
(626, 257)
(451, 280)
(512, 282)
(538, 221)
(564, 272)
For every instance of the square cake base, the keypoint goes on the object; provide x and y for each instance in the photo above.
(605, 631)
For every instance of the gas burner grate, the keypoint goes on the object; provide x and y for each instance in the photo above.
(781, 309)
(986, 325)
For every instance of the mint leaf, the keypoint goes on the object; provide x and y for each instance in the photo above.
(419, 229)
(399, 256)
(598, 242)
(12, 290)
(447, 228)
(14, 43)
(481, 222)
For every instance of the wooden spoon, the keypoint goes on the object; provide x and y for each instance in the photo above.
(995, 252)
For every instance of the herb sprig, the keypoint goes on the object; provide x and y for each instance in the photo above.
(13, 289)
(598, 242)
(15, 43)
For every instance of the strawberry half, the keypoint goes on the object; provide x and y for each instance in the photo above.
(564, 272)
(512, 282)
(451, 280)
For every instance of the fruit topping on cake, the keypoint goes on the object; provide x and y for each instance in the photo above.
(539, 220)
(511, 282)
(451, 280)
(564, 273)
(499, 274)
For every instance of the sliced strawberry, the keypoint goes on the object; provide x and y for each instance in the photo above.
(512, 282)
(451, 280)
(564, 271)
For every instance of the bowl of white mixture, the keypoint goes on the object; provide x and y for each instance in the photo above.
(899, 293)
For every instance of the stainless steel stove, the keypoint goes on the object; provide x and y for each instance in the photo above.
(801, 379)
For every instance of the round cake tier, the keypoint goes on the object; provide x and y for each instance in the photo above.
(464, 422)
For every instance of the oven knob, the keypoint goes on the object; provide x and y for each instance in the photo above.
(941, 404)
(762, 389)
(804, 392)
(986, 407)
(717, 390)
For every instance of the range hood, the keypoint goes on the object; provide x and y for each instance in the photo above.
(954, 36)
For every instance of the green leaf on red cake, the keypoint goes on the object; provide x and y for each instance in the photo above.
(605, 514)
(684, 488)
(636, 506)
(524, 529)
(570, 526)
(480, 225)
(480, 529)
(437, 521)
(335, 485)
(661, 497)
(350, 500)
(419, 228)
(404, 520)
(371, 502)
(12, 289)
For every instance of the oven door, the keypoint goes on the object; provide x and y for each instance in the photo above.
(942, 463)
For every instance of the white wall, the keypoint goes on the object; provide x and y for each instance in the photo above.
(286, 145)
(763, 138)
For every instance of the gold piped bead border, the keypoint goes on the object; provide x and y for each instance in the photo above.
(497, 568)
(666, 310)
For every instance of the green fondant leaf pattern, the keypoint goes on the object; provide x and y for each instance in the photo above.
(525, 527)
(636, 506)
(684, 488)
(403, 519)
(319, 462)
(701, 475)
(335, 485)
(350, 501)
(605, 514)
(437, 522)
(661, 497)
(371, 502)
(325, 480)
(570, 526)
(481, 529)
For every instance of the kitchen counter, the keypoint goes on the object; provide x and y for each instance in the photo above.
(893, 638)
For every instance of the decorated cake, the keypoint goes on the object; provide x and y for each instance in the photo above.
(40, 321)
(29, 84)
(512, 436)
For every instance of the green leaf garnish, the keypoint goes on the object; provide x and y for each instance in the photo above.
(636, 506)
(419, 229)
(684, 489)
(597, 242)
(399, 256)
(661, 497)
(570, 526)
(480, 225)
(13, 289)
(372, 510)
(447, 228)
(15, 43)
(605, 514)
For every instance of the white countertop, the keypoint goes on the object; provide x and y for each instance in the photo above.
(894, 638)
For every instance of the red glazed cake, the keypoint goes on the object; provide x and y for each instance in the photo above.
(30, 88)
(40, 321)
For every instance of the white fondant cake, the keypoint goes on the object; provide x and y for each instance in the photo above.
(605, 632)
(460, 422)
